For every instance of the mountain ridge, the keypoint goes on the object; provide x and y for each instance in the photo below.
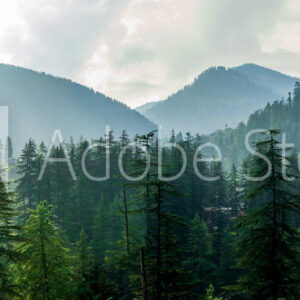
(39, 103)
(230, 94)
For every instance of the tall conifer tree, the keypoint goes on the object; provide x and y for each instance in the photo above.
(268, 243)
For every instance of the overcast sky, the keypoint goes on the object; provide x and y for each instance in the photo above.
(143, 50)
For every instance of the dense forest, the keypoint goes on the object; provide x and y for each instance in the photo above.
(226, 238)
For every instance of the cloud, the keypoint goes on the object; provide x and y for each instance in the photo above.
(286, 34)
(143, 50)
(165, 44)
(56, 36)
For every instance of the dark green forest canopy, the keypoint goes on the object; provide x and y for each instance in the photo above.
(149, 239)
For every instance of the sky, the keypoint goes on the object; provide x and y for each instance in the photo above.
(138, 51)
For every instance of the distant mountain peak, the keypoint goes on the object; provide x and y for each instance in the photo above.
(219, 96)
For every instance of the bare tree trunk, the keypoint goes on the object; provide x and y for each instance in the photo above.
(143, 274)
(126, 219)
(275, 283)
(158, 255)
(44, 262)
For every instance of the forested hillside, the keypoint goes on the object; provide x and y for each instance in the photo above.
(149, 239)
(39, 104)
(283, 115)
(99, 234)
(219, 97)
(194, 195)
(279, 83)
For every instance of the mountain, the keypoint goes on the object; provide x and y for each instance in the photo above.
(219, 97)
(279, 83)
(40, 103)
(281, 115)
(141, 109)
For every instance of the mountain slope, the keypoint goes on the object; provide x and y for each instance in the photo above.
(141, 109)
(279, 83)
(281, 115)
(219, 96)
(40, 103)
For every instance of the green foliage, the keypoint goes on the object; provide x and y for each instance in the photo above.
(46, 271)
(9, 236)
(268, 243)
(84, 263)
(200, 259)
(281, 114)
(150, 239)
(210, 293)
(27, 169)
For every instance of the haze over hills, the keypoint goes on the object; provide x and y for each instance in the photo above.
(219, 97)
(281, 115)
(279, 83)
(141, 109)
(39, 104)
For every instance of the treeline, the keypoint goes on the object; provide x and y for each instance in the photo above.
(149, 239)
(281, 114)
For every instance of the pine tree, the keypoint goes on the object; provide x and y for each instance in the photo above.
(82, 193)
(46, 271)
(233, 191)
(166, 277)
(9, 236)
(84, 262)
(26, 189)
(101, 231)
(198, 187)
(268, 244)
(124, 141)
(227, 273)
(219, 203)
(61, 185)
(145, 141)
(43, 186)
(244, 184)
(200, 256)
